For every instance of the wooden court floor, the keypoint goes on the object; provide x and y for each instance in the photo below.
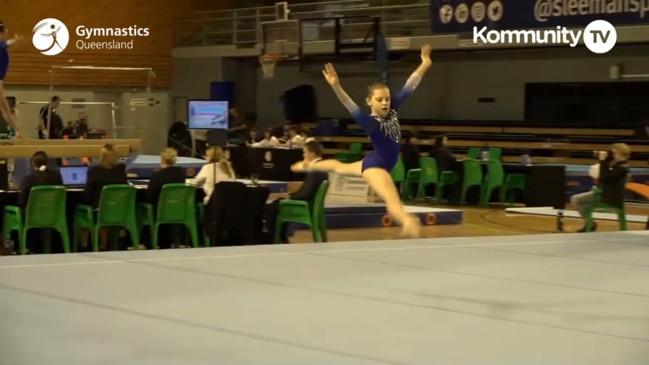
(478, 222)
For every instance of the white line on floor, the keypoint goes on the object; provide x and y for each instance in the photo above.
(374, 249)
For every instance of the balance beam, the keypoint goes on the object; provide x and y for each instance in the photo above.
(134, 144)
(59, 150)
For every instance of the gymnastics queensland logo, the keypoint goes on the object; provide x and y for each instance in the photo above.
(50, 36)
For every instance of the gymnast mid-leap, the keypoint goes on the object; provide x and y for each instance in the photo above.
(4, 67)
(382, 127)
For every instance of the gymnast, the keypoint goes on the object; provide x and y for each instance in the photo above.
(4, 67)
(382, 127)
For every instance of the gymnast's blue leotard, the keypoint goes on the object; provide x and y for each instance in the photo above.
(4, 59)
(384, 132)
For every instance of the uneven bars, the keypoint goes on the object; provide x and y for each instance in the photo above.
(69, 102)
(112, 109)
(104, 68)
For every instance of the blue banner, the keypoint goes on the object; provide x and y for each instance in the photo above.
(460, 16)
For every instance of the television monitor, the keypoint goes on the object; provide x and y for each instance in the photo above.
(208, 114)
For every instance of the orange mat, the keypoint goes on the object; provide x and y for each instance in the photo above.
(640, 189)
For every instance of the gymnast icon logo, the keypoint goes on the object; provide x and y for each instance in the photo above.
(50, 36)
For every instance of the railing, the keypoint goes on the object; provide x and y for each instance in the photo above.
(240, 27)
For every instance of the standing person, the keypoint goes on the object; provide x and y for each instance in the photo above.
(382, 127)
(48, 114)
(4, 68)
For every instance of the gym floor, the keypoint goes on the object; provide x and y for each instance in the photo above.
(506, 299)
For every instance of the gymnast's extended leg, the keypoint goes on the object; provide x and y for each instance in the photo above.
(331, 165)
(381, 182)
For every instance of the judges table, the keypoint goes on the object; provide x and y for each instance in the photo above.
(272, 164)
(75, 196)
(545, 185)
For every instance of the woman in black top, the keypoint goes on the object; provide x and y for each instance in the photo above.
(168, 174)
(410, 152)
(108, 172)
(40, 175)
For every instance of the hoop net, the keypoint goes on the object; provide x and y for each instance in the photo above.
(268, 63)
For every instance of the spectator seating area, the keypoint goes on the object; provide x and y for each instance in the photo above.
(557, 145)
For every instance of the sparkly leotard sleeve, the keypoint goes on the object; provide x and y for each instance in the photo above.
(384, 132)
(4, 59)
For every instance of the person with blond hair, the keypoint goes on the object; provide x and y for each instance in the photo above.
(168, 173)
(610, 175)
(109, 171)
(217, 169)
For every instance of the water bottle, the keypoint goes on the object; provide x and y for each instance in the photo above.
(560, 221)
(485, 155)
(11, 133)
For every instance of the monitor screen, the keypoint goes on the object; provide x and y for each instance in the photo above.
(74, 175)
(208, 114)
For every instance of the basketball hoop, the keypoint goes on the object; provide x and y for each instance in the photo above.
(268, 63)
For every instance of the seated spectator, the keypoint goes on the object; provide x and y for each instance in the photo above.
(168, 173)
(613, 172)
(217, 169)
(294, 138)
(108, 172)
(268, 141)
(68, 131)
(410, 152)
(307, 136)
(254, 136)
(446, 161)
(312, 152)
(40, 175)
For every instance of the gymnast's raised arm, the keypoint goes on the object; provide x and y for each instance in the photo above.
(332, 78)
(415, 78)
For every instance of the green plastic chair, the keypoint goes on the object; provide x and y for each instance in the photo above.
(46, 208)
(513, 182)
(200, 213)
(412, 178)
(495, 153)
(176, 205)
(398, 173)
(598, 206)
(472, 177)
(354, 154)
(117, 209)
(474, 153)
(298, 211)
(496, 179)
(429, 175)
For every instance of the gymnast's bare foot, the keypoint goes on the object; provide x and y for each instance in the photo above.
(412, 227)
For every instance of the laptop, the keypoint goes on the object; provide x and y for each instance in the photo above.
(74, 176)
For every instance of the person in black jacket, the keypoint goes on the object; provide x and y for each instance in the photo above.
(312, 151)
(410, 152)
(41, 175)
(613, 172)
(168, 174)
(109, 171)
